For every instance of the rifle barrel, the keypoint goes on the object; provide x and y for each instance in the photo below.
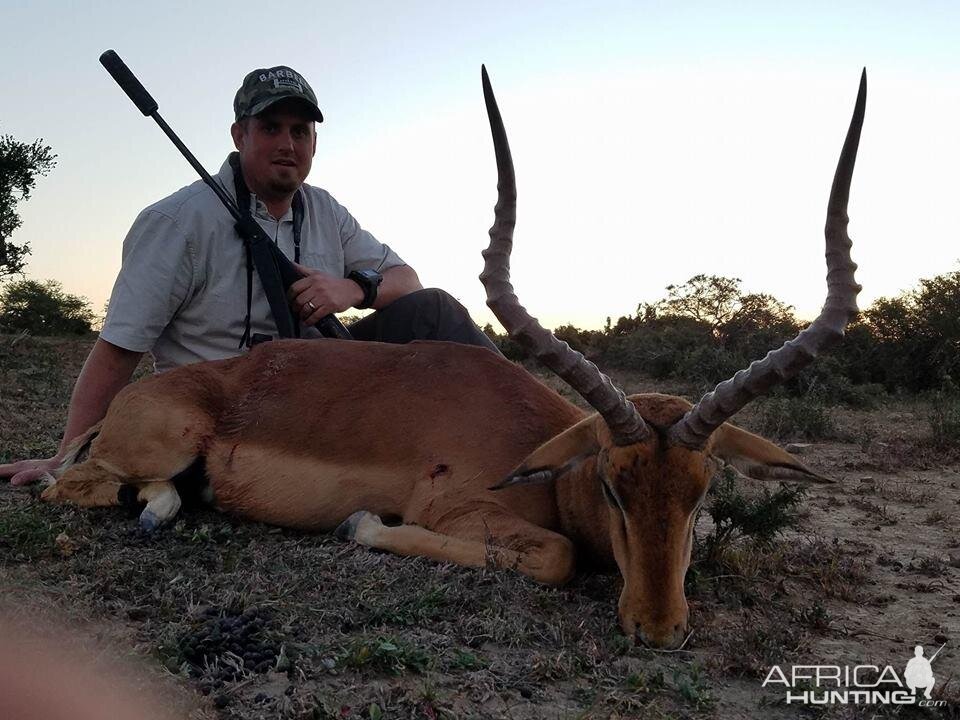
(933, 657)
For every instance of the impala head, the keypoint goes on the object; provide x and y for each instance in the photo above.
(643, 499)
(644, 463)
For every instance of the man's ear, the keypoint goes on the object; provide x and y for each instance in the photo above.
(236, 132)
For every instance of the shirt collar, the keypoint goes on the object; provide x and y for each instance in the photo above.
(258, 208)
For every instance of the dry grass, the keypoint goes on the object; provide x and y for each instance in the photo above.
(258, 622)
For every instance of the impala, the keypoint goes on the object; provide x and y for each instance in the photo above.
(454, 453)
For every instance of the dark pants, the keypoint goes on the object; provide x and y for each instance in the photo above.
(429, 314)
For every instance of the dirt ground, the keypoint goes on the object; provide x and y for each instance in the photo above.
(237, 620)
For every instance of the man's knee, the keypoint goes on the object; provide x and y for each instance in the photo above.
(427, 314)
(440, 301)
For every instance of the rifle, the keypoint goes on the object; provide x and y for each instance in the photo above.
(934, 656)
(276, 271)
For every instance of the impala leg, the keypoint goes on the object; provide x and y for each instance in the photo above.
(479, 539)
(86, 484)
(163, 503)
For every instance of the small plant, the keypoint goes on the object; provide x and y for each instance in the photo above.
(644, 682)
(463, 660)
(929, 566)
(801, 417)
(880, 513)
(816, 616)
(384, 655)
(761, 517)
(692, 686)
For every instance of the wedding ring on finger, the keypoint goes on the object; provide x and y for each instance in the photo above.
(309, 304)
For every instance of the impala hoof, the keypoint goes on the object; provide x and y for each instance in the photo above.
(347, 530)
(149, 521)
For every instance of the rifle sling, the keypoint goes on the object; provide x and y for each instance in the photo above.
(261, 253)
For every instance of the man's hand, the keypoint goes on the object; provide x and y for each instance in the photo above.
(29, 471)
(318, 294)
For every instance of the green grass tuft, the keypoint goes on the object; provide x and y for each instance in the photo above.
(384, 655)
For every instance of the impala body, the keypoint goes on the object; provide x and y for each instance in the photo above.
(466, 456)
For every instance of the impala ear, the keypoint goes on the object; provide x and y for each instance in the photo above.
(556, 456)
(759, 458)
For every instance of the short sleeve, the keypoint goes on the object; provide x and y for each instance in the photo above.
(156, 277)
(361, 250)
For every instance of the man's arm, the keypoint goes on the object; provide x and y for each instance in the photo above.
(106, 371)
(328, 294)
(397, 282)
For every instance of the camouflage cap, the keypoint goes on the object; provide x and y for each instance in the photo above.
(266, 86)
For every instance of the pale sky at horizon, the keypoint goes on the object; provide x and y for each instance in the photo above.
(652, 140)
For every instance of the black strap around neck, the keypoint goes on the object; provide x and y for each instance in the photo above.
(244, 201)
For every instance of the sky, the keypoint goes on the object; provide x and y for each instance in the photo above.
(652, 140)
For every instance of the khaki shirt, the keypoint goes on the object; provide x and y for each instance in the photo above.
(182, 289)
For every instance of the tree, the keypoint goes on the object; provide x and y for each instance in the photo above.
(734, 319)
(704, 331)
(917, 335)
(709, 299)
(43, 308)
(20, 165)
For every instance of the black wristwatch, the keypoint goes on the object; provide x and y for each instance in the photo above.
(369, 281)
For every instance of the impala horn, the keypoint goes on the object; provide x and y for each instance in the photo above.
(626, 425)
(693, 430)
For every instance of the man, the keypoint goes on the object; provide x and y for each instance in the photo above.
(187, 292)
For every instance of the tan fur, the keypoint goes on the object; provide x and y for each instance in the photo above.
(754, 456)
(305, 433)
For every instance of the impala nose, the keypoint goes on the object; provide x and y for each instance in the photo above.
(669, 638)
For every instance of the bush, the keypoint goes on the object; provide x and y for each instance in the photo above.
(511, 349)
(944, 420)
(707, 328)
(827, 382)
(43, 308)
(588, 342)
(759, 517)
(789, 417)
(706, 366)
(915, 336)
(658, 346)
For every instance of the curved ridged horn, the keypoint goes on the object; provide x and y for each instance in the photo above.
(625, 423)
(727, 398)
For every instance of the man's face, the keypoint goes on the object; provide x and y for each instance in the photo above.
(276, 149)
